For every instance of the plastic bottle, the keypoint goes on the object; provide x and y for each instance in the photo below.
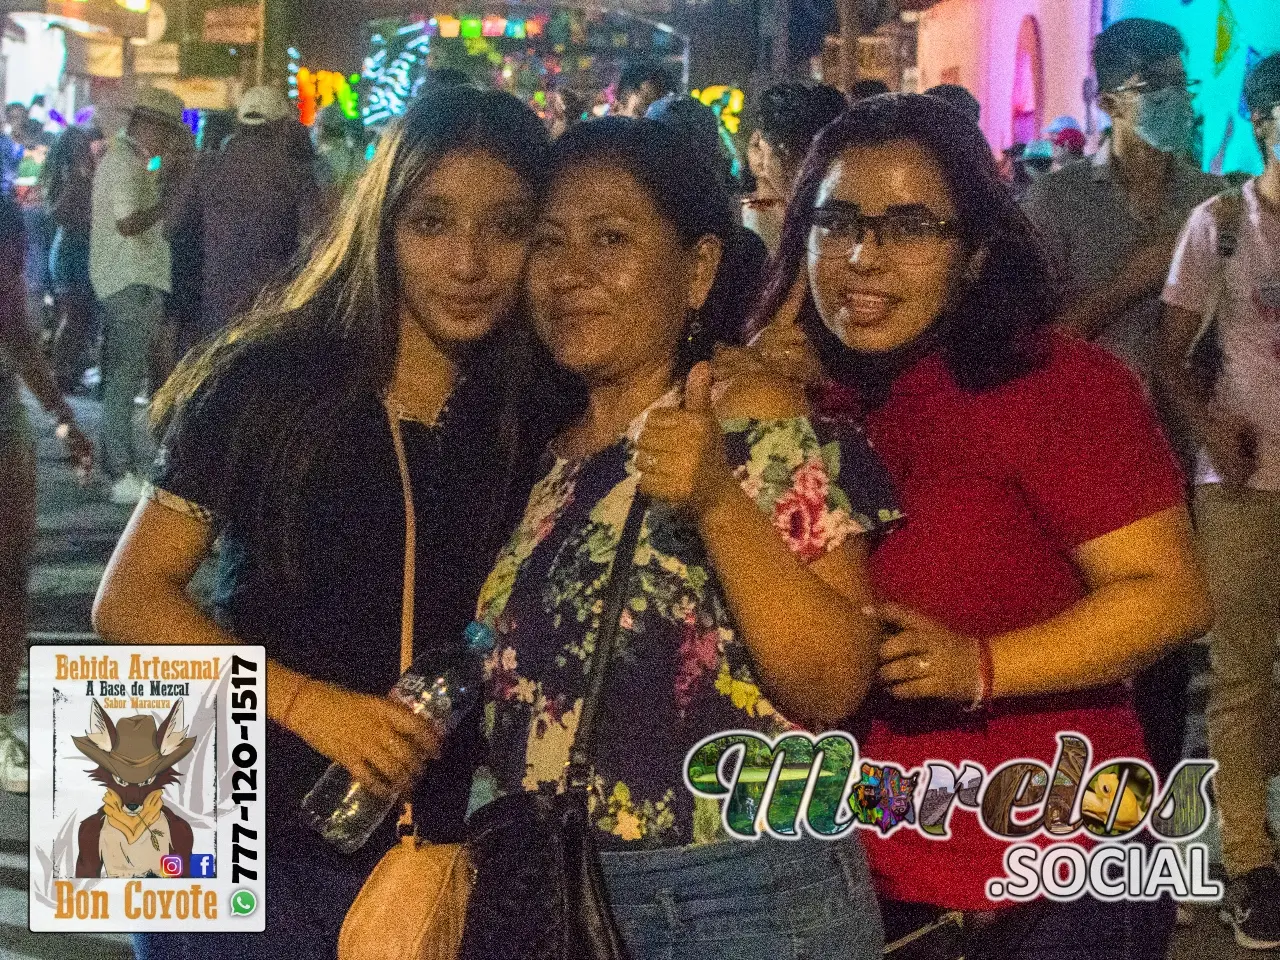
(344, 812)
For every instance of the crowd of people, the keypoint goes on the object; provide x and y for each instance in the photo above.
(952, 459)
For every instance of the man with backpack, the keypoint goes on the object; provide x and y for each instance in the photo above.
(1225, 281)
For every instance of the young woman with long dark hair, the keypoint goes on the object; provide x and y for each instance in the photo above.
(67, 178)
(279, 442)
(743, 600)
(1046, 554)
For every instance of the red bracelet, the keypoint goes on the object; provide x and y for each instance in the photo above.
(986, 678)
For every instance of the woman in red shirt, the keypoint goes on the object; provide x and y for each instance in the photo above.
(1045, 515)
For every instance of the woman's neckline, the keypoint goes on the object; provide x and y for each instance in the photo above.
(668, 399)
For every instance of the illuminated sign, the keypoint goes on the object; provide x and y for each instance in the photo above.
(727, 102)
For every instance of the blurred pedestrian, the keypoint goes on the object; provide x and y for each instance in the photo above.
(784, 122)
(569, 107)
(1227, 266)
(1068, 141)
(15, 119)
(642, 84)
(34, 144)
(251, 203)
(863, 89)
(21, 361)
(129, 266)
(1110, 226)
(1031, 164)
(68, 192)
(959, 97)
(340, 148)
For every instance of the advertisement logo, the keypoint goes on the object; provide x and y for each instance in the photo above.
(202, 865)
(243, 903)
(170, 866)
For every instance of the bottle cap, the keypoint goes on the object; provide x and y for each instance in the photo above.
(479, 636)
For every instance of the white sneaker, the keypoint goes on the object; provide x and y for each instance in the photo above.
(127, 491)
(13, 761)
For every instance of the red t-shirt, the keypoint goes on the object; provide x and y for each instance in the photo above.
(998, 489)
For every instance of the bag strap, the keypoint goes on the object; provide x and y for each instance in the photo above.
(405, 824)
(1204, 355)
(1228, 217)
(410, 546)
(606, 640)
(1228, 214)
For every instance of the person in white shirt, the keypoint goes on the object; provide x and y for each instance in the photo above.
(1227, 267)
(129, 268)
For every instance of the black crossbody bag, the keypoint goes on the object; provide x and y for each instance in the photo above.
(539, 892)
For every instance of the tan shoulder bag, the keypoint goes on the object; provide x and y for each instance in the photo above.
(414, 904)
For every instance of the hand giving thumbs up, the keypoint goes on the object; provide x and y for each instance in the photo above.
(680, 453)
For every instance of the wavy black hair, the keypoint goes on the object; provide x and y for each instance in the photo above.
(688, 193)
(790, 114)
(990, 331)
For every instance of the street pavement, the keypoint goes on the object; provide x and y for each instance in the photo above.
(78, 529)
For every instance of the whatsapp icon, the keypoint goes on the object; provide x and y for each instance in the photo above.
(243, 903)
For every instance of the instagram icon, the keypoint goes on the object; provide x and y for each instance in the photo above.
(170, 866)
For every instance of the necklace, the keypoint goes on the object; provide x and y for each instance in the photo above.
(412, 411)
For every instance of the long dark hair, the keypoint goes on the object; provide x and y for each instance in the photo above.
(990, 332)
(333, 328)
(688, 193)
(72, 148)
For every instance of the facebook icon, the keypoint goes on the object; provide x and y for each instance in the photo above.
(202, 865)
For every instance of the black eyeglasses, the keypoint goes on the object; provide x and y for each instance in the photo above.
(913, 236)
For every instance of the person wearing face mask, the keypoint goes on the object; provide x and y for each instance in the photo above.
(1228, 264)
(1110, 226)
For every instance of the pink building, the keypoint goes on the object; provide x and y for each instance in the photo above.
(1026, 60)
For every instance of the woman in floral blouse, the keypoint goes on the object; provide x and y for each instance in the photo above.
(745, 599)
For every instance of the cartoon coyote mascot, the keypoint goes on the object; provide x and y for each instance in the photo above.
(133, 829)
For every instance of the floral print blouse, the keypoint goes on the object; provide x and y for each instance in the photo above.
(679, 671)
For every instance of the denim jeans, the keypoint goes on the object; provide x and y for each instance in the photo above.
(746, 900)
(131, 321)
(307, 899)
